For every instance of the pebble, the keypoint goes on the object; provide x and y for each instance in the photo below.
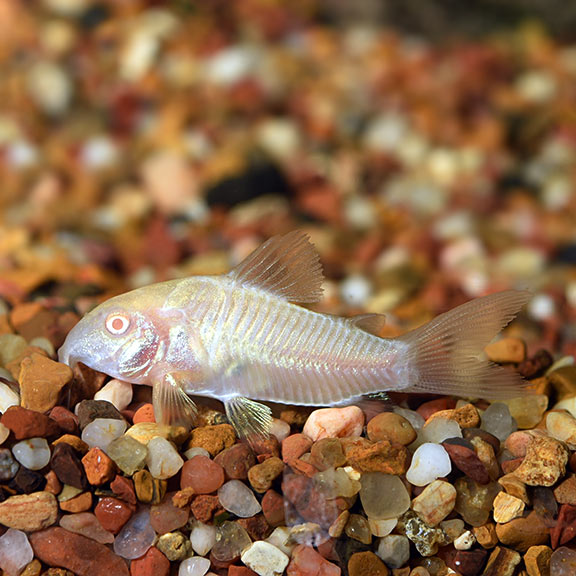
(383, 496)
(8, 465)
(202, 538)
(327, 453)
(101, 431)
(98, 466)
(90, 410)
(334, 423)
(435, 502)
(197, 451)
(212, 438)
(163, 460)
(507, 507)
(231, 540)
(562, 426)
(305, 561)
(128, 454)
(261, 476)
(430, 461)
(465, 541)
(357, 528)
(537, 561)
(153, 563)
(15, 552)
(502, 562)
(506, 351)
(8, 397)
(202, 474)
(82, 556)
(426, 538)
(527, 410)
(273, 508)
(382, 456)
(67, 466)
(80, 503)
(149, 490)
(143, 432)
(562, 562)
(24, 424)
(544, 463)
(238, 499)
(474, 501)
(136, 536)
(4, 433)
(86, 524)
(463, 457)
(166, 517)
(521, 533)
(391, 426)
(113, 513)
(29, 512)
(174, 545)
(279, 429)
(265, 559)
(382, 528)
(295, 446)
(144, 414)
(195, 566)
(497, 420)
(366, 563)
(236, 461)
(117, 392)
(394, 550)
(41, 382)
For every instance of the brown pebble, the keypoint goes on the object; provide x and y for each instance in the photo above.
(34, 568)
(565, 527)
(212, 438)
(236, 461)
(90, 410)
(467, 562)
(83, 556)
(53, 485)
(486, 535)
(205, 506)
(149, 490)
(65, 419)
(565, 491)
(67, 466)
(153, 563)
(98, 466)
(563, 380)
(273, 508)
(536, 365)
(25, 423)
(262, 475)
(256, 526)
(327, 453)
(521, 533)
(537, 560)
(296, 416)
(502, 562)
(381, 456)
(123, 488)
(392, 427)
(42, 381)
(77, 443)
(80, 503)
(366, 564)
(467, 461)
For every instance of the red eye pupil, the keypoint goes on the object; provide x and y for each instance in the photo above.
(118, 324)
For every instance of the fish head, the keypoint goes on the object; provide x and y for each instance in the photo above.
(121, 337)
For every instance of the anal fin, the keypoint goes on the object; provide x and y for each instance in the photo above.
(249, 418)
(172, 406)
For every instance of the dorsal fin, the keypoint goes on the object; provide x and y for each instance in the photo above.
(371, 323)
(287, 266)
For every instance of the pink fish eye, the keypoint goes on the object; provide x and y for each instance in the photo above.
(117, 324)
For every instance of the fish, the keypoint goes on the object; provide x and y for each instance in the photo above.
(245, 338)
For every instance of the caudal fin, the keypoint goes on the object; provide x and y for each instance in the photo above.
(447, 352)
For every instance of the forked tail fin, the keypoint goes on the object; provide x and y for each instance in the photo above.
(447, 353)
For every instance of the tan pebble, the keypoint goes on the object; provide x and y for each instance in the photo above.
(262, 475)
(183, 498)
(381, 528)
(334, 423)
(419, 571)
(145, 431)
(565, 492)
(401, 571)
(521, 533)
(502, 562)
(544, 463)
(41, 382)
(366, 563)
(29, 512)
(540, 386)
(486, 535)
(336, 529)
(32, 569)
(391, 426)
(506, 351)
(527, 410)
(212, 438)
(15, 365)
(537, 560)
(485, 453)
(77, 443)
(435, 502)
(513, 486)
(563, 380)
(507, 507)
(466, 416)
(562, 426)
(80, 503)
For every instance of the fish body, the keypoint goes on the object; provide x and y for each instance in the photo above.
(242, 338)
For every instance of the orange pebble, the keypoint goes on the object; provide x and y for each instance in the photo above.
(144, 414)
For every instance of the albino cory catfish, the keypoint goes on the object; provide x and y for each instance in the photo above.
(240, 337)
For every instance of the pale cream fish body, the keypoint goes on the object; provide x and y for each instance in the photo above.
(240, 336)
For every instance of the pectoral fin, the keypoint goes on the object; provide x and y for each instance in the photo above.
(250, 419)
(172, 405)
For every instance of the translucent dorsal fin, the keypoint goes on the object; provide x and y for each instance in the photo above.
(287, 266)
(371, 323)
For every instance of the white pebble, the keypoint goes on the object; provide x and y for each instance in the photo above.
(465, 541)
(281, 538)
(195, 566)
(202, 538)
(430, 461)
(280, 429)
(238, 499)
(394, 550)
(33, 453)
(163, 459)
(264, 559)
(355, 290)
(100, 432)
(15, 552)
(438, 430)
(196, 451)
(8, 397)
(116, 392)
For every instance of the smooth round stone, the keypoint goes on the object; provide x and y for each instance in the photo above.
(163, 459)
(280, 429)
(86, 524)
(417, 420)
(430, 461)
(201, 474)
(355, 290)
(166, 517)
(334, 483)
(497, 420)
(394, 550)
(116, 392)
(195, 566)
(334, 423)
(136, 536)
(563, 562)
(33, 453)
(527, 410)
(383, 496)
(15, 552)
(265, 559)
(100, 432)
(438, 430)
(231, 539)
(196, 451)
(202, 538)
(238, 499)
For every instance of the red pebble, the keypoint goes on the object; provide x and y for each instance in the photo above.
(428, 408)
(67, 420)
(144, 414)
(124, 488)
(153, 563)
(295, 446)
(112, 514)
(306, 561)
(201, 474)
(273, 508)
(565, 528)
(241, 571)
